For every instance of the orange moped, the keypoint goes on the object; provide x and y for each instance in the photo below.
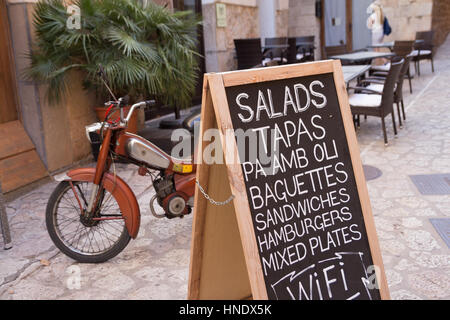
(92, 214)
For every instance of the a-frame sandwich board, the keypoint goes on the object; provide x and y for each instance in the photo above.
(228, 260)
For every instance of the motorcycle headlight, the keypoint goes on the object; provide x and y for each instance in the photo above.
(92, 131)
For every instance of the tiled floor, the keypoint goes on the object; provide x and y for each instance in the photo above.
(155, 266)
(416, 259)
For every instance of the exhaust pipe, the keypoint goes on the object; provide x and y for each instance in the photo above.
(152, 208)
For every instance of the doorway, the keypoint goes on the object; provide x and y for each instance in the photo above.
(160, 110)
(8, 98)
(344, 23)
(361, 35)
(335, 23)
(19, 162)
(196, 7)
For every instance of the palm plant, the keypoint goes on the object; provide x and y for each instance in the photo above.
(145, 49)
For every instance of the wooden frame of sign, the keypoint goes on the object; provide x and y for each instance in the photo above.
(234, 253)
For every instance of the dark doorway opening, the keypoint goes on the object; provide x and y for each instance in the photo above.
(344, 23)
(196, 7)
(19, 162)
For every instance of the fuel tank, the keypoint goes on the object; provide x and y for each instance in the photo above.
(143, 150)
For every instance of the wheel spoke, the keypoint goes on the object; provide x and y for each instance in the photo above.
(87, 237)
(82, 195)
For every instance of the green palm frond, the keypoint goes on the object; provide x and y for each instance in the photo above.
(145, 50)
(132, 47)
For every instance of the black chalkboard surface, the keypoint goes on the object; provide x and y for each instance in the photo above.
(301, 202)
(303, 197)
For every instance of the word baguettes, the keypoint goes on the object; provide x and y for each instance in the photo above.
(302, 192)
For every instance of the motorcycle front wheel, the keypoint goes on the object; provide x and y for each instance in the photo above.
(85, 240)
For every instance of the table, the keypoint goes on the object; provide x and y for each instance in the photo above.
(275, 46)
(305, 49)
(361, 56)
(390, 44)
(304, 44)
(272, 49)
(353, 72)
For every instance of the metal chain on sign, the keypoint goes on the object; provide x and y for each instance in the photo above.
(217, 203)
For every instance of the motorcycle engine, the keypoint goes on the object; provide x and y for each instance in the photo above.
(169, 199)
(163, 188)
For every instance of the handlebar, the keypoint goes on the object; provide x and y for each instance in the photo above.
(143, 104)
(122, 102)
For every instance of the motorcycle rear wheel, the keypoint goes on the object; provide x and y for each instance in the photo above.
(82, 240)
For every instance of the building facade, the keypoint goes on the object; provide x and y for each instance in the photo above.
(57, 132)
(292, 18)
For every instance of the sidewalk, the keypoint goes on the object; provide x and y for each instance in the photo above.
(416, 259)
(155, 265)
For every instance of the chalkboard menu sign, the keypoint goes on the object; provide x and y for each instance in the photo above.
(301, 204)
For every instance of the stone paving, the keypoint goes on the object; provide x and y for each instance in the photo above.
(155, 265)
(416, 259)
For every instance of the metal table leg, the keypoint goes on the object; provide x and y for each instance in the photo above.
(4, 222)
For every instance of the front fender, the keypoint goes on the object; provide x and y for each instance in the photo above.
(120, 190)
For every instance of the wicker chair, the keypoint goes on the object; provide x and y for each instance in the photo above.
(369, 102)
(249, 53)
(377, 84)
(401, 49)
(335, 50)
(338, 50)
(424, 50)
(277, 54)
(301, 53)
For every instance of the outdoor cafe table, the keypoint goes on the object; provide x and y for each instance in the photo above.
(353, 72)
(390, 45)
(274, 46)
(268, 47)
(362, 56)
(304, 44)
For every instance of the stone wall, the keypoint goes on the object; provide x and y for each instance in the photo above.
(441, 20)
(406, 17)
(57, 131)
(166, 3)
(409, 16)
(281, 18)
(64, 125)
(302, 21)
(242, 22)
